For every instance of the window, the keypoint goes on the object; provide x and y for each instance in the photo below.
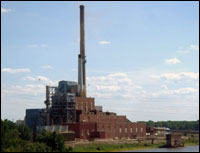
(136, 130)
(86, 107)
(125, 130)
(81, 105)
(91, 105)
(141, 130)
(131, 130)
(120, 130)
(82, 133)
(109, 127)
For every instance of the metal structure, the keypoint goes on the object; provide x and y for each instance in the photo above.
(50, 91)
(63, 109)
(60, 103)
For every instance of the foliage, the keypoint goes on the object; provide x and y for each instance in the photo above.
(25, 132)
(192, 140)
(53, 140)
(18, 138)
(9, 135)
(36, 147)
(176, 125)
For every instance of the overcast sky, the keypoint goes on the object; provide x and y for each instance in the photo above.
(142, 57)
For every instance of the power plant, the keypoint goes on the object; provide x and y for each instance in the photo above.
(69, 109)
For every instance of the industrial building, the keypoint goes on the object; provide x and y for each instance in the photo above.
(67, 105)
(157, 131)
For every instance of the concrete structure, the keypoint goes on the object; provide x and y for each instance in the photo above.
(174, 140)
(158, 131)
(20, 122)
(56, 128)
(35, 117)
(68, 105)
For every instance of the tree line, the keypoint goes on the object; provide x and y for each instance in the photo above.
(175, 125)
(20, 138)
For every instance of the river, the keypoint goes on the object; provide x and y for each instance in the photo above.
(183, 149)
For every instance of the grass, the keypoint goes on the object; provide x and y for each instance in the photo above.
(114, 147)
(192, 141)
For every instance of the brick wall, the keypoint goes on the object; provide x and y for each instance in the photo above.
(85, 104)
(108, 125)
(82, 130)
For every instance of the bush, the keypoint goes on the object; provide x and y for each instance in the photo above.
(98, 148)
(41, 147)
(146, 144)
(25, 132)
(29, 148)
(17, 139)
(53, 140)
(69, 149)
(36, 147)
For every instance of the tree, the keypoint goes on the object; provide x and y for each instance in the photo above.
(176, 125)
(53, 140)
(36, 147)
(25, 132)
(19, 139)
(9, 135)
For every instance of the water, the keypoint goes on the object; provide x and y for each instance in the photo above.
(183, 149)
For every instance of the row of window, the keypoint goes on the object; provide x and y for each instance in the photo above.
(126, 130)
(120, 131)
(101, 118)
(87, 105)
(88, 132)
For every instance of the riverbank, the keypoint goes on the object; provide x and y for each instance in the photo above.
(114, 147)
(120, 147)
(180, 149)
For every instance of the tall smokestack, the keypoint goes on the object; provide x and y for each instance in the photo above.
(82, 60)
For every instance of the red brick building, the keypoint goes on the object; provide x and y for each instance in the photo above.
(92, 123)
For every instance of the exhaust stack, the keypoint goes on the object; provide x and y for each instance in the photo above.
(81, 56)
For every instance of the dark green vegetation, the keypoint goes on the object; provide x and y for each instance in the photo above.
(20, 138)
(175, 125)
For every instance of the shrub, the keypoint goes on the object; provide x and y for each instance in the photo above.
(25, 132)
(69, 149)
(53, 140)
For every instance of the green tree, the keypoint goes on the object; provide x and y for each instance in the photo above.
(36, 147)
(176, 125)
(9, 135)
(53, 140)
(25, 132)
(19, 139)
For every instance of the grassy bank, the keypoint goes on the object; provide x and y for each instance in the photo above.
(114, 147)
(122, 147)
(192, 141)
